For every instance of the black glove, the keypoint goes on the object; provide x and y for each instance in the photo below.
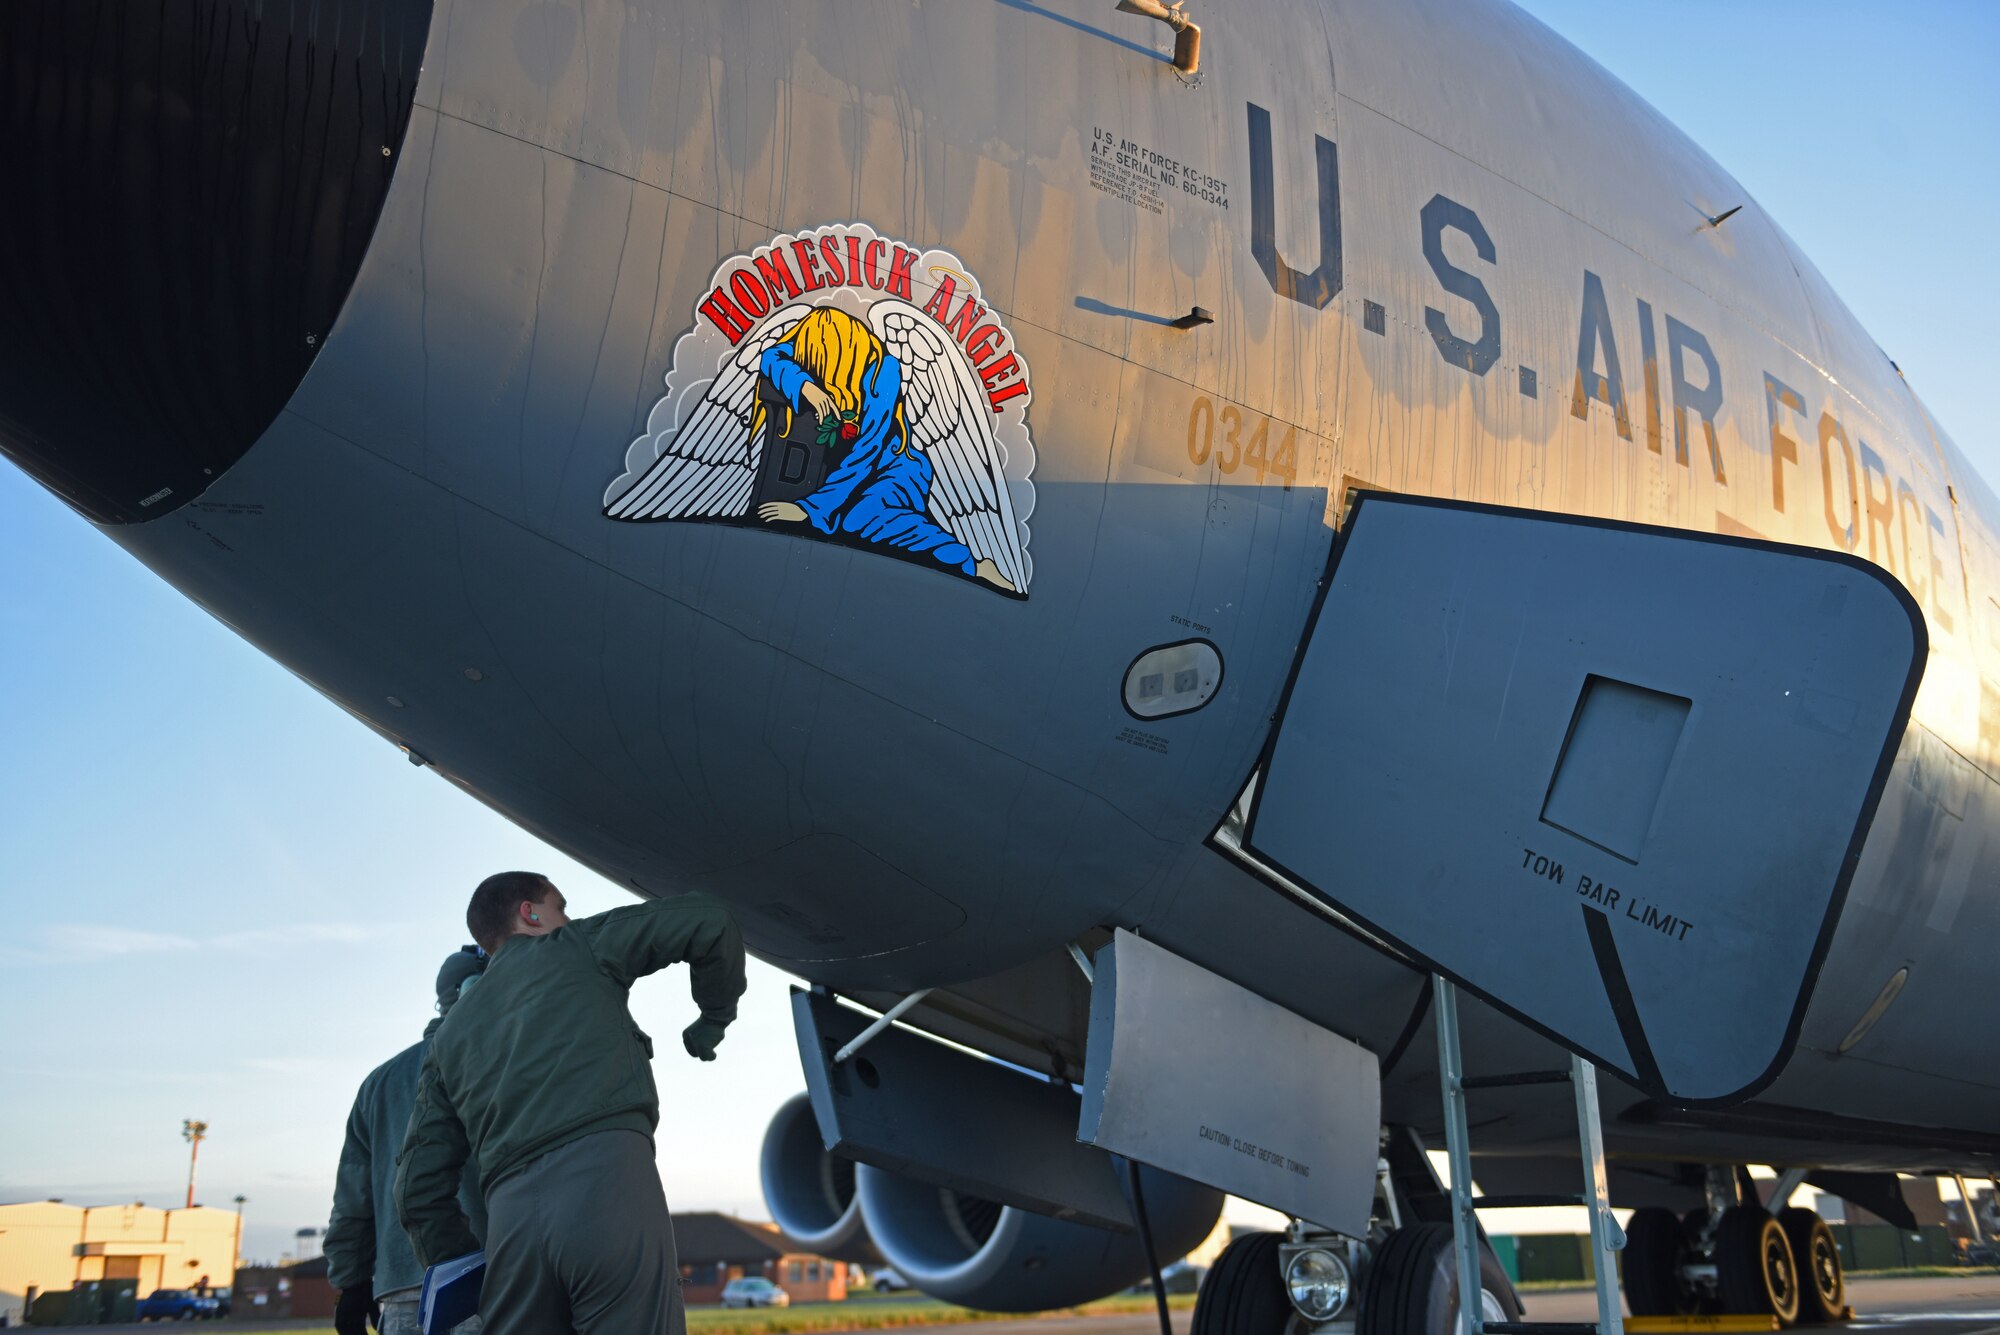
(701, 1037)
(355, 1310)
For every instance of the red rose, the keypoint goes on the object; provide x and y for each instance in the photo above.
(850, 431)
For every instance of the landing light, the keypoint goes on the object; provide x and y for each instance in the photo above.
(1318, 1284)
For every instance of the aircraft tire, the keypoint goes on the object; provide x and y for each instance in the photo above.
(1822, 1283)
(1413, 1281)
(1755, 1272)
(1244, 1291)
(1656, 1247)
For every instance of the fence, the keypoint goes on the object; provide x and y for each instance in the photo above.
(1554, 1258)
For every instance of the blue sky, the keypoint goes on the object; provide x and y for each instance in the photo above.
(1867, 132)
(226, 900)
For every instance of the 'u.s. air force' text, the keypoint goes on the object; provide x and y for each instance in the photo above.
(1672, 396)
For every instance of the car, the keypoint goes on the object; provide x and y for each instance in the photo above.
(177, 1305)
(887, 1280)
(1180, 1277)
(1983, 1253)
(753, 1291)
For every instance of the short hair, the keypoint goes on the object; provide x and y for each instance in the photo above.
(490, 915)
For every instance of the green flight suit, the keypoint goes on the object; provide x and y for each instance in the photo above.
(365, 1242)
(544, 1052)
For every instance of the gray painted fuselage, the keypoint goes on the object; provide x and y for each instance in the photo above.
(901, 779)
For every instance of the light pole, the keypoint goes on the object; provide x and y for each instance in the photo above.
(236, 1261)
(193, 1133)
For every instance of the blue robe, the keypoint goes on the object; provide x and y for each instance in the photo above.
(875, 493)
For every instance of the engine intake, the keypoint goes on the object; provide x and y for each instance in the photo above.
(969, 1175)
(1002, 1259)
(810, 1192)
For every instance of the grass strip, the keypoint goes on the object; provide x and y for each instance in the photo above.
(879, 1314)
(867, 1314)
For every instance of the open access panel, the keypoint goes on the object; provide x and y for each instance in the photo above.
(1612, 778)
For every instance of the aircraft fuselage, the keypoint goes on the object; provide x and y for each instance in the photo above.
(1443, 253)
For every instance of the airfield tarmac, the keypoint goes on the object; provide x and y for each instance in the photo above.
(1945, 1305)
(1929, 1305)
(1940, 1305)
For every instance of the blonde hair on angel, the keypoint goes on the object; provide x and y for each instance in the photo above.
(843, 355)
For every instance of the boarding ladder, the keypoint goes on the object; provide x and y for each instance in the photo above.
(1606, 1238)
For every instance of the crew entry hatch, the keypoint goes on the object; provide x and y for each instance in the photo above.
(1613, 778)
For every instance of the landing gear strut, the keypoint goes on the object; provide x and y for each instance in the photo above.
(1660, 1253)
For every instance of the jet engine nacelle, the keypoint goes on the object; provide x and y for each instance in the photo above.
(1002, 1259)
(810, 1192)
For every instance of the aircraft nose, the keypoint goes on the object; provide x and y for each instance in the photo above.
(189, 188)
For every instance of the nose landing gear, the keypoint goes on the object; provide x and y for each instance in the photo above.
(1411, 1289)
(1244, 1291)
(1413, 1286)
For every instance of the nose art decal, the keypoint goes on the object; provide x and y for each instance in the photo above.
(844, 386)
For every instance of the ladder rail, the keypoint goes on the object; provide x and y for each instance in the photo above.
(1464, 1223)
(1606, 1238)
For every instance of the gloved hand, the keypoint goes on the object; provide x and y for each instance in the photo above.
(701, 1037)
(355, 1310)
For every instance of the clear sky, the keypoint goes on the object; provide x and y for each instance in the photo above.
(226, 900)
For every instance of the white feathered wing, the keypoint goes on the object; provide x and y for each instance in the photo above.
(706, 467)
(946, 413)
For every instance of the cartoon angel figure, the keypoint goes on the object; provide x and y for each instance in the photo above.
(832, 365)
(921, 476)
